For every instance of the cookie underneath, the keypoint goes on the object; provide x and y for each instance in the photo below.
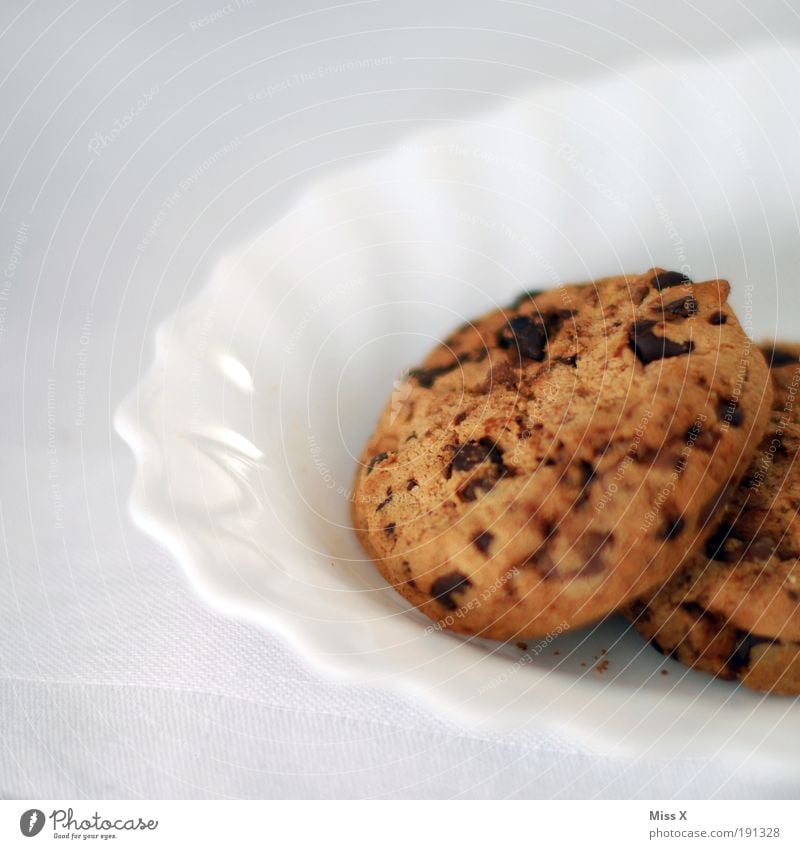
(734, 608)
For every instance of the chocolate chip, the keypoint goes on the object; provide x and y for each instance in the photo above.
(752, 481)
(475, 452)
(389, 529)
(569, 361)
(683, 307)
(426, 377)
(541, 562)
(548, 529)
(668, 279)
(718, 318)
(471, 454)
(378, 458)
(692, 433)
(742, 654)
(591, 547)
(694, 609)
(460, 417)
(673, 527)
(448, 469)
(444, 588)
(483, 541)
(531, 335)
(385, 501)
(777, 358)
(554, 321)
(499, 374)
(523, 297)
(412, 484)
(779, 447)
(716, 545)
(469, 491)
(703, 438)
(527, 336)
(409, 582)
(761, 549)
(588, 473)
(648, 347)
(730, 412)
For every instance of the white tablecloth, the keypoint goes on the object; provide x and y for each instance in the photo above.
(125, 129)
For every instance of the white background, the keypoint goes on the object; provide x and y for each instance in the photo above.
(115, 679)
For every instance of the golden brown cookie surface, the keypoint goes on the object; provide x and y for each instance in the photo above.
(734, 608)
(552, 460)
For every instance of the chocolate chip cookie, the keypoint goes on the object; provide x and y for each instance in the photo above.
(734, 608)
(555, 459)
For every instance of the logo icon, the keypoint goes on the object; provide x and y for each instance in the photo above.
(400, 393)
(31, 822)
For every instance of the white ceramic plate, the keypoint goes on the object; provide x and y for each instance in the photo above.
(265, 387)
